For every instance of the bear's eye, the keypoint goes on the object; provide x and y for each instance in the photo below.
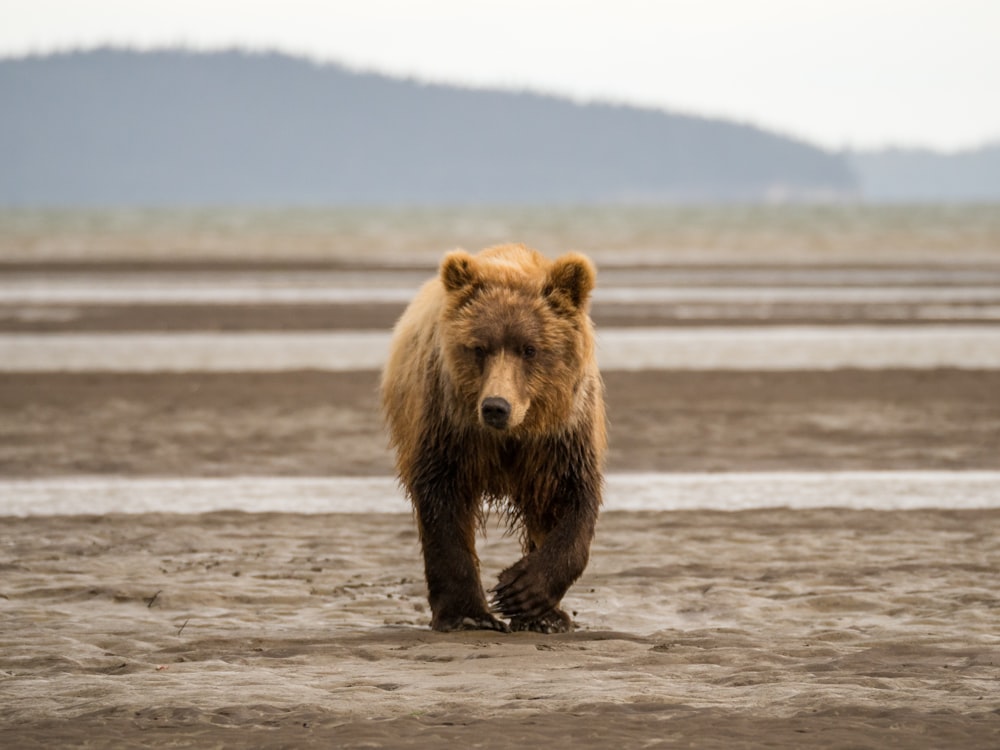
(480, 352)
(529, 352)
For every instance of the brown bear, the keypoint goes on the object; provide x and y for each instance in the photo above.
(493, 399)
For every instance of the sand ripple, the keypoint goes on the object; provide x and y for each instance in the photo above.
(846, 627)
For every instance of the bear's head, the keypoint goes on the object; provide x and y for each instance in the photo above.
(516, 337)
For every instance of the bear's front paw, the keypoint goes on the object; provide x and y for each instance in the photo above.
(524, 591)
(483, 621)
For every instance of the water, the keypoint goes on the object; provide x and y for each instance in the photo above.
(399, 287)
(902, 490)
(643, 348)
(612, 234)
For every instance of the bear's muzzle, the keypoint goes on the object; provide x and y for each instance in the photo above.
(495, 412)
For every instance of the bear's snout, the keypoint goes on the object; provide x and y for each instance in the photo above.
(496, 412)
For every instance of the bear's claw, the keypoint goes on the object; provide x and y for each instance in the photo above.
(468, 622)
(521, 594)
(555, 621)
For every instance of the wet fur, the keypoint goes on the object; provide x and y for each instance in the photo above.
(506, 322)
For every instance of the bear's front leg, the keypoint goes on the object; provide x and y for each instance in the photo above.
(455, 592)
(560, 533)
(530, 590)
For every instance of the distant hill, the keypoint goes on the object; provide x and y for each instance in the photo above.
(911, 175)
(115, 127)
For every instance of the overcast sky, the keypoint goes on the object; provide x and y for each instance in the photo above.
(840, 73)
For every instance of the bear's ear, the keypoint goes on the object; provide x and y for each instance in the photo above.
(570, 281)
(458, 271)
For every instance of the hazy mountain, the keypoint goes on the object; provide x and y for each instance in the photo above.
(171, 127)
(911, 175)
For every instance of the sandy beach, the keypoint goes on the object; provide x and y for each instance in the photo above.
(760, 628)
(766, 627)
(311, 423)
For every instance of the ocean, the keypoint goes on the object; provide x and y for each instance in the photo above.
(614, 235)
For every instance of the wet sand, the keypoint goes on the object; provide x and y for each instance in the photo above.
(758, 628)
(776, 628)
(310, 423)
(769, 628)
(380, 316)
(348, 293)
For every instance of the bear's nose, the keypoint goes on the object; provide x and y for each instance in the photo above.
(496, 412)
